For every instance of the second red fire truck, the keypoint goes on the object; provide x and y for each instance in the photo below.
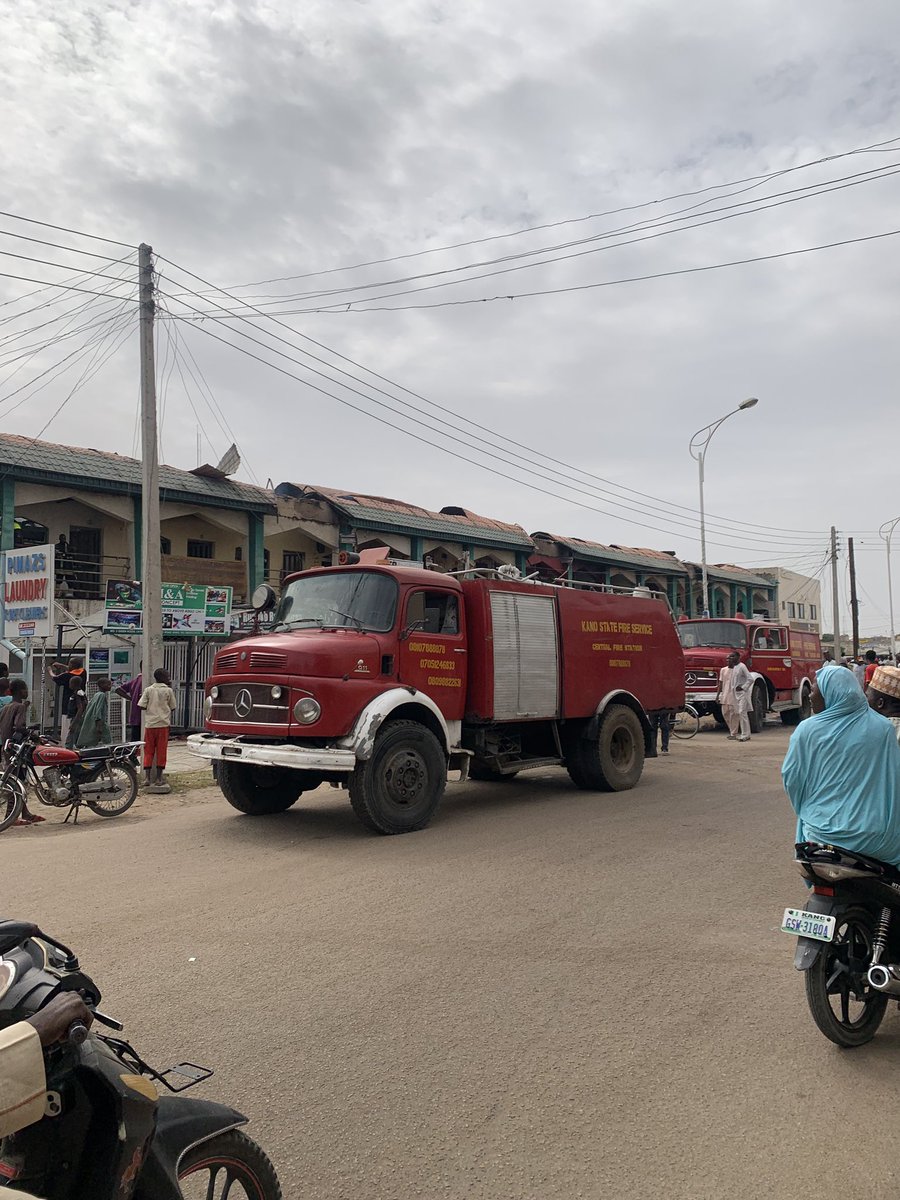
(382, 677)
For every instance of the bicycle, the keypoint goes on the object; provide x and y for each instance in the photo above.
(687, 723)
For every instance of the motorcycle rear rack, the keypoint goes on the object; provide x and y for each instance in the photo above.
(127, 1054)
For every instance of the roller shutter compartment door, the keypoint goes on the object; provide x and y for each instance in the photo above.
(526, 656)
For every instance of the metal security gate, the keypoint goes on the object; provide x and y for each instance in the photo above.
(189, 662)
(526, 656)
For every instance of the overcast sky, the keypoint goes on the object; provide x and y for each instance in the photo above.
(269, 139)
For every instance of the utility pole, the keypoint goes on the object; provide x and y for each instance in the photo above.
(854, 599)
(835, 605)
(151, 642)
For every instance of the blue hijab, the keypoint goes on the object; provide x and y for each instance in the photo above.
(842, 772)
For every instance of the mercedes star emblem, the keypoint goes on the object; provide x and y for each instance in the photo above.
(243, 703)
(690, 679)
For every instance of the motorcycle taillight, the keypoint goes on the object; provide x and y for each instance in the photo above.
(819, 889)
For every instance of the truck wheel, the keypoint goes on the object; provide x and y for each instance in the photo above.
(259, 791)
(719, 716)
(398, 789)
(759, 704)
(614, 760)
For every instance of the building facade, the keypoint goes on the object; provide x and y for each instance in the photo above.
(799, 598)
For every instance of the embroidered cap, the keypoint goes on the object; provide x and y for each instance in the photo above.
(887, 681)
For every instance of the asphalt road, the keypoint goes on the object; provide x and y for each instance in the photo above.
(546, 994)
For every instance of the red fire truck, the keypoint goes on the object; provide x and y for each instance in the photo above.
(382, 677)
(782, 662)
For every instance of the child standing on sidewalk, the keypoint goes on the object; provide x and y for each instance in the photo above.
(158, 703)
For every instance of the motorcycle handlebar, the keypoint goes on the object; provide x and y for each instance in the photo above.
(77, 1034)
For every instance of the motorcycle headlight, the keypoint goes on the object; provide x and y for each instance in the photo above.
(214, 692)
(307, 710)
(276, 692)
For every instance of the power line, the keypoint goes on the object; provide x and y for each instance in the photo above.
(650, 231)
(573, 220)
(66, 287)
(584, 287)
(442, 408)
(418, 437)
(664, 520)
(64, 229)
(23, 237)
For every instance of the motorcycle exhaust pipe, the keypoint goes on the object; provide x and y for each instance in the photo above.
(885, 979)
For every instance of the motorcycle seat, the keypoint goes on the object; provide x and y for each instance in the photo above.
(815, 850)
(97, 753)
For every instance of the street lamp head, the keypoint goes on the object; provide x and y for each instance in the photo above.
(748, 403)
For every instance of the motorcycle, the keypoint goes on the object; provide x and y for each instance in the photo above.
(848, 940)
(107, 1132)
(103, 777)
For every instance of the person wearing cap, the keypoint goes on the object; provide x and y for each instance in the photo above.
(883, 694)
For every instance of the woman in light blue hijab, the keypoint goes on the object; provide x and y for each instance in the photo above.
(842, 771)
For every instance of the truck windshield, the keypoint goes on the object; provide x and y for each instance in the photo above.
(358, 599)
(712, 633)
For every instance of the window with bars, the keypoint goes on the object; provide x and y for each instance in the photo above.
(200, 549)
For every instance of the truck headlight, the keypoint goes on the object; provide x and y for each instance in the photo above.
(207, 705)
(307, 710)
(276, 692)
(213, 692)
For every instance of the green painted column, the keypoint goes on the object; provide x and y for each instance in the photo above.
(415, 548)
(522, 561)
(8, 514)
(256, 564)
(748, 604)
(137, 517)
(734, 601)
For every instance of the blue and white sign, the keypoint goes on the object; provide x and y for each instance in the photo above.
(28, 591)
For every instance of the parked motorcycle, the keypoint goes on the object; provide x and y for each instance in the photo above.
(103, 777)
(107, 1133)
(848, 940)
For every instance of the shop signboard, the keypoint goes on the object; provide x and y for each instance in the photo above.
(200, 610)
(28, 590)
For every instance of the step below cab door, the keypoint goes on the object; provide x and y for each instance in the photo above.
(433, 648)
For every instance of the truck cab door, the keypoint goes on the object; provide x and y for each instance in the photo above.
(432, 651)
(771, 656)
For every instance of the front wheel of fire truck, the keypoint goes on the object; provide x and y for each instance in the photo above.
(260, 791)
(398, 789)
(759, 706)
(614, 759)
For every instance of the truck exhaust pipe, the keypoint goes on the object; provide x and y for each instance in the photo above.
(885, 979)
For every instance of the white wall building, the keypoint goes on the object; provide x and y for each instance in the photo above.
(799, 598)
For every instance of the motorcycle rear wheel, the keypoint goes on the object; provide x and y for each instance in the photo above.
(838, 977)
(215, 1167)
(11, 797)
(122, 780)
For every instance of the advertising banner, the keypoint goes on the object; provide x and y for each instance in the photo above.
(28, 591)
(198, 609)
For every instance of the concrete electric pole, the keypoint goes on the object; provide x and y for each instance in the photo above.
(151, 574)
(835, 604)
(854, 599)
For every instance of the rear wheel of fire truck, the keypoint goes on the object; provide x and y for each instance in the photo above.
(759, 704)
(259, 791)
(398, 789)
(614, 760)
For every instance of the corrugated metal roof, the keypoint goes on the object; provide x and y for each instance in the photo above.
(734, 574)
(378, 511)
(656, 560)
(24, 458)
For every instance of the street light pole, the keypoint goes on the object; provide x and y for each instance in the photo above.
(887, 532)
(698, 446)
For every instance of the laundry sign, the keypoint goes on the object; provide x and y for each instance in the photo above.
(28, 590)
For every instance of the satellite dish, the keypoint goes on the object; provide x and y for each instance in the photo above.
(230, 460)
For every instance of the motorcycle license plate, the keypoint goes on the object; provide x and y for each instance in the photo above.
(807, 924)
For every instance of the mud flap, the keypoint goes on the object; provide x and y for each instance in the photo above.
(182, 1123)
(808, 949)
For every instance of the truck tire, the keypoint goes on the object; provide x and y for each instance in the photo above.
(398, 789)
(759, 706)
(719, 716)
(259, 791)
(614, 760)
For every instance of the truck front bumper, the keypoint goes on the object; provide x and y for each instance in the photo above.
(695, 698)
(296, 758)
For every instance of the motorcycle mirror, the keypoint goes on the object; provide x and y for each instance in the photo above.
(13, 933)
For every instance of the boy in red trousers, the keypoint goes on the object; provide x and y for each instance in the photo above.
(158, 703)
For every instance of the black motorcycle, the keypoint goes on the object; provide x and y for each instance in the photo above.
(107, 1133)
(848, 940)
(103, 777)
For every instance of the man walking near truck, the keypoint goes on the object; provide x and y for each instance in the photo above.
(734, 691)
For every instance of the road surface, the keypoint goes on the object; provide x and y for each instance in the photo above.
(546, 994)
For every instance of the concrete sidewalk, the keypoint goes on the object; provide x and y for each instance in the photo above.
(181, 761)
